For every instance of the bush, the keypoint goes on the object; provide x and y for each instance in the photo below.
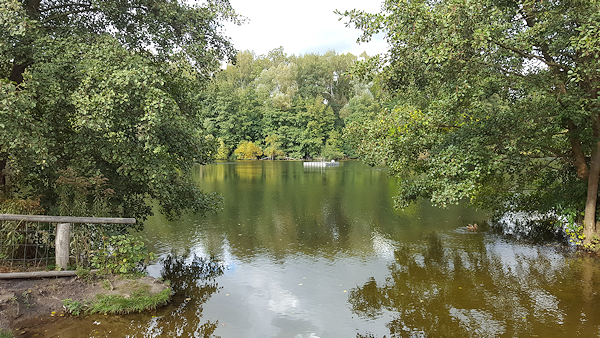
(122, 254)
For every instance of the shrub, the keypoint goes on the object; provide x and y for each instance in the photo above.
(122, 254)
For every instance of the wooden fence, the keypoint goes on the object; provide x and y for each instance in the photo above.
(29, 233)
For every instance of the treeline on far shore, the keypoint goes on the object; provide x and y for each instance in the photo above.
(281, 106)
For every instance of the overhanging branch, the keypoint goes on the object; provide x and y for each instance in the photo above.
(530, 56)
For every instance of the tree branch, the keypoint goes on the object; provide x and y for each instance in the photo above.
(550, 63)
(498, 68)
(48, 9)
(56, 16)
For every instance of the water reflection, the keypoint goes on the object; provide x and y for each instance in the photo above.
(279, 209)
(322, 254)
(193, 281)
(490, 288)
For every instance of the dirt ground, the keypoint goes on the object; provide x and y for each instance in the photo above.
(24, 302)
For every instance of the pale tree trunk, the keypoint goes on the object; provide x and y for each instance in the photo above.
(589, 218)
(583, 171)
(592, 174)
(589, 221)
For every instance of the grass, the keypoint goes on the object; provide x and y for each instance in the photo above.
(6, 334)
(106, 285)
(74, 307)
(139, 301)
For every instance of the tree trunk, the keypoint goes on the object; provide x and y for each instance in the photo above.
(589, 220)
(578, 156)
(16, 73)
(32, 7)
(2, 173)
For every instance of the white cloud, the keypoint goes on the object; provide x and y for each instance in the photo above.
(301, 27)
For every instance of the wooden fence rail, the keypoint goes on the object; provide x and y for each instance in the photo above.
(63, 224)
(66, 219)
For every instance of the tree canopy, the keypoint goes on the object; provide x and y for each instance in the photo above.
(492, 101)
(304, 100)
(109, 88)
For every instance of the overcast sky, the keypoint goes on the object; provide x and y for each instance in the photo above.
(301, 27)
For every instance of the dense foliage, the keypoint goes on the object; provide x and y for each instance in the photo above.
(493, 101)
(289, 106)
(108, 89)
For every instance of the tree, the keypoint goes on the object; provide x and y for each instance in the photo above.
(277, 85)
(493, 101)
(222, 151)
(326, 76)
(362, 106)
(272, 150)
(333, 147)
(167, 27)
(275, 94)
(247, 150)
(113, 89)
(231, 113)
(316, 120)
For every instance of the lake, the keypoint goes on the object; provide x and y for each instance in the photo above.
(307, 253)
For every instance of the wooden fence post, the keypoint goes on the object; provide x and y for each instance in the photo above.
(62, 245)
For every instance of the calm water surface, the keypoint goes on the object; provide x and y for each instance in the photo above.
(320, 253)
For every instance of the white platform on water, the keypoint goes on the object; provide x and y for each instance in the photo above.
(321, 164)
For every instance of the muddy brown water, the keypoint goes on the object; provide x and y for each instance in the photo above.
(321, 253)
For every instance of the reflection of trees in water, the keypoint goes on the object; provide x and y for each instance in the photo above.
(292, 211)
(193, 280)
(436, 291)
(185, 274)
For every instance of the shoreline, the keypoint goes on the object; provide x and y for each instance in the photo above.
(26, 302)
